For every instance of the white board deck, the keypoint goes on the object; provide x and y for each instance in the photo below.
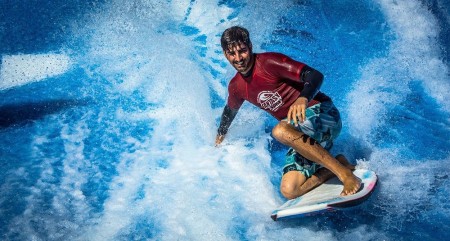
(327, 196)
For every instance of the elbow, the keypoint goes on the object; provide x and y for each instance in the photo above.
(316, 78)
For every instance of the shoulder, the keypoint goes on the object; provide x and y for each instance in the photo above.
(280, 65)
(271, 56)
(275, 59)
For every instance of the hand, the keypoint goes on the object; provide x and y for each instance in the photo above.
(219, 139)
(297, 111)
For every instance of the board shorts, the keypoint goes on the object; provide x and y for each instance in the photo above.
(323, 124)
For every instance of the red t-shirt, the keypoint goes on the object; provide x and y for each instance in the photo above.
(273, 85)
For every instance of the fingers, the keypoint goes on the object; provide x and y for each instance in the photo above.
(297, 111)
(303, 117)
(296, 114)
(219, 139)
(292, 115)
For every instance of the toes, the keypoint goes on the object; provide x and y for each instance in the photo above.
(347, 192)
(344, 193)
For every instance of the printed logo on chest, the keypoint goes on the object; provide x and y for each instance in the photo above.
(270, 100)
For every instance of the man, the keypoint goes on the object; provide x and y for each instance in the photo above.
(289, 91)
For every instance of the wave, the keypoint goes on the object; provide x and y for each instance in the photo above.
(137, 160)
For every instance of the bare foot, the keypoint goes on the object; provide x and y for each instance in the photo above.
(351, 185)
(324, 174)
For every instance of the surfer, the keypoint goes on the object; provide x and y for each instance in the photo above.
(308, 119)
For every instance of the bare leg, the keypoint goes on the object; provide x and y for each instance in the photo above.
(321, 176)
(294, 184)
(310, 149)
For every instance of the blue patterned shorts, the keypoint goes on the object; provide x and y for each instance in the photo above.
(323, 124)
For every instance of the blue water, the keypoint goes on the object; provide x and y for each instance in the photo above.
(109, 109)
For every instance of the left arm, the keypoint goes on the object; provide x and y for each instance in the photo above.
(312, 80)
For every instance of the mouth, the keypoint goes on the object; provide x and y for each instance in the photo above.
(240, 64)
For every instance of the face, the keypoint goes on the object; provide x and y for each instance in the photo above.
(240, 57)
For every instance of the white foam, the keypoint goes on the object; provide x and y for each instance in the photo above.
(414, 55)
(203, 192)
(57, 203)
(17, 70)
(409, 185)
(199, 192)
(203, 188)
(416, 48)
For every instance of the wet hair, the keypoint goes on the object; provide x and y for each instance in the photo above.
(235, 35)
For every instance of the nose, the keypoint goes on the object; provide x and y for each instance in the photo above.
(239, 57)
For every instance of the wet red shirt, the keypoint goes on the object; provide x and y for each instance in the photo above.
(273, 85)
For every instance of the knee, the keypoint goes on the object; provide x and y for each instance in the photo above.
(279, 131)
(288, 190)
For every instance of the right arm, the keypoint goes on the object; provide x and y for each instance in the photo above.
(225, 122)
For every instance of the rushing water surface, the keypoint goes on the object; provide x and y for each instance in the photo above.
(109, 110)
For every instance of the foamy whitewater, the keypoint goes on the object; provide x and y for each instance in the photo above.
(109, 111)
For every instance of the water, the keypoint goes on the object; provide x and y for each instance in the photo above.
(109, 110)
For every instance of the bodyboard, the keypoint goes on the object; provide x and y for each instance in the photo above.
(327, 197)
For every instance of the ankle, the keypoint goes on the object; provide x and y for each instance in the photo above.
(346, 173)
